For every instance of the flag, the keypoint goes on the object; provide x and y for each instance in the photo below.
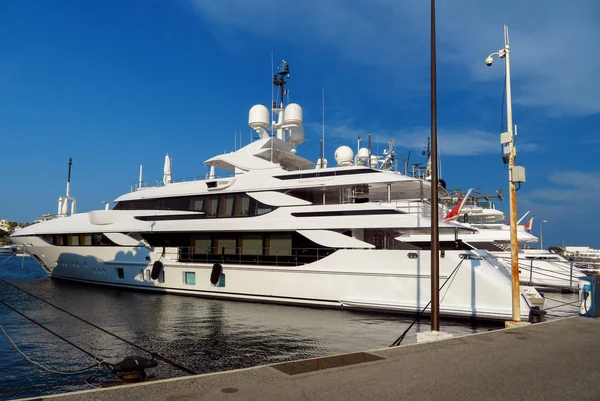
(456, 211)
(529, 224)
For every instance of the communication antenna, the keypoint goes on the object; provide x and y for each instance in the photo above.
(369, 146)
(140, 180)
(69, 178)
(323, 125)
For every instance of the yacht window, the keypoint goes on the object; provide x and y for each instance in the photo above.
(252, 244)
(74, 239)
(226, 206)
(189, 278)
(280, 244)
(202, 245)
(225, 246)
(242, 205)
(85, 240)
(197, 204)
(178, 203)
(120, 273)
(210, 206)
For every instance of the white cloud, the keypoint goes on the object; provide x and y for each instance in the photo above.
(451, 142)
(572, 194)
(552, 44)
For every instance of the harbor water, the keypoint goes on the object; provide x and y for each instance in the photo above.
(202, 334)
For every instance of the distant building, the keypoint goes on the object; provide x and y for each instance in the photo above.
(5, 225)
(582, 252)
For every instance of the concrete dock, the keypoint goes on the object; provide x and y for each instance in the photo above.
(555, 360)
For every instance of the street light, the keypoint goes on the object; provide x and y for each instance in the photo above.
(542, 233)
(516, 174)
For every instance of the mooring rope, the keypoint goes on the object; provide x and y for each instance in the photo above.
(72, 372)
(399, 339)
(100, 360)
(153, 354)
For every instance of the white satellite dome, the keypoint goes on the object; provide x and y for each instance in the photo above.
(297, 135)
(344, 156)
(292, 114)
(374, 161)
(318, 165)
(258, 117)
(363, 155)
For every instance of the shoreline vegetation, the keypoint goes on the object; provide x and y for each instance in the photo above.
(8, 228)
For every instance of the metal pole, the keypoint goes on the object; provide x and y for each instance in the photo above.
(516, 291)
(531, 273)
(571, 276)
(542, 234)
(435, 261)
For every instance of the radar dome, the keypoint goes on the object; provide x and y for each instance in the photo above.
(297, 135)
(292, 115)
(374, 161)
(343, 156)
(363, 155)
(258, 117)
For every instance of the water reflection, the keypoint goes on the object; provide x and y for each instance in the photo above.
(204, 335)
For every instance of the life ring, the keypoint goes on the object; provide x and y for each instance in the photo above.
(157, 268)
(215, 275)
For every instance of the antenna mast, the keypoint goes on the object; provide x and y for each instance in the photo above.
(69, 178)
(323, 127)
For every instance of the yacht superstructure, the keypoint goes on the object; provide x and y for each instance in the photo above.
(279, 229)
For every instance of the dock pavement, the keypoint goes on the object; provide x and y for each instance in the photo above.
(555, 360)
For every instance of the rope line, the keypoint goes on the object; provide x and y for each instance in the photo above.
(73, 372)
(153, 354)
(399, 339)
(7, 259)
(100, 360)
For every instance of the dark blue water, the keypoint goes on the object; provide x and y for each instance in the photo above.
(204, 335)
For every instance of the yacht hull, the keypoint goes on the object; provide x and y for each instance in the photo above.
(473, 284)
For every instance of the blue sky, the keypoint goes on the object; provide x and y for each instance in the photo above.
(116, 84)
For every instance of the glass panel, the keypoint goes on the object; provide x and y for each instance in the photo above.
(280, 244)
(201, 245)
(225, 246)
(74, 239)
(190, 278)
(197, 204)
(252, 245)
(261, 208)
(226, 206)
(242, 205)
(210, 206)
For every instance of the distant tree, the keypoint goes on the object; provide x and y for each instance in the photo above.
(557, 249)
(4, 238)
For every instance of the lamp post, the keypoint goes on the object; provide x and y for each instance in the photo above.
(542, 233)
(514, 175)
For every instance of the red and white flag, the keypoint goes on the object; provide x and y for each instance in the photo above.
(529, 224)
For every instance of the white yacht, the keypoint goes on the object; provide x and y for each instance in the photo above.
(279, 229)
